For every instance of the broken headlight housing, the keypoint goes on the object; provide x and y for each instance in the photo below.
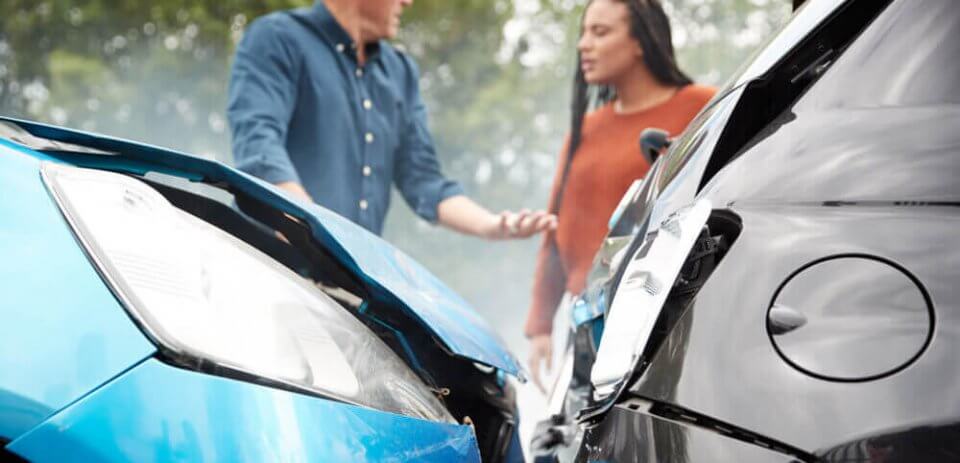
(212, 302)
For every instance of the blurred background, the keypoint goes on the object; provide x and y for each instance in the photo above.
(496, 76)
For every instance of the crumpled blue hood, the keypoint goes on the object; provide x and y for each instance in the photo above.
(379, 264)
(449, 316)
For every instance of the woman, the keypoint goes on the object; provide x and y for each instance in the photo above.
(627, 71)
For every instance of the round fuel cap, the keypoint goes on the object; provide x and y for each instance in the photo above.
(850, 318)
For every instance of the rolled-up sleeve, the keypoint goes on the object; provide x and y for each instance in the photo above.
(262, 95)
(417, 174)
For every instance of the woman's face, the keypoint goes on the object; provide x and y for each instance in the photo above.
(607, 50)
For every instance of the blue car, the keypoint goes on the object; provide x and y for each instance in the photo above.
(158, 306)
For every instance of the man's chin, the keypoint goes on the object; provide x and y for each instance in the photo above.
(388, 33)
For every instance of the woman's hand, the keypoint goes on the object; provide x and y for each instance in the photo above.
(541, 351)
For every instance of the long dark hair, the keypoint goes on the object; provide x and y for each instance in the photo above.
(650, 27)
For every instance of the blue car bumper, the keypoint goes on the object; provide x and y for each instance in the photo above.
(156, 412)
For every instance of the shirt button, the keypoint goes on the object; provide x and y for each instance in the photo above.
(340, 47)
(369, 137)
(367, 104)
(363, 204)
(367, 171)
(359, 72)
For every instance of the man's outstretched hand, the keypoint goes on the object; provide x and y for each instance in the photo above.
(465, 216)
(523, 224)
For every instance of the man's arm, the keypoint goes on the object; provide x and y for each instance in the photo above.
(262, 96)
(437, 199)
(462, 214)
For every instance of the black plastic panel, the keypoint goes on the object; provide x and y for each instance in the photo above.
(633, 436)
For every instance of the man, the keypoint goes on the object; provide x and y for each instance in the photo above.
(323, 107)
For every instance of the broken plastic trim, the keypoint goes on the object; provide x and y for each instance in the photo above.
(641, 296)
(722, 229)
(685, 417)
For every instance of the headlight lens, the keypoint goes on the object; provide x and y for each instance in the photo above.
(205, 296)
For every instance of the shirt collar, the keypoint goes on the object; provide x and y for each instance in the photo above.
(332, 29)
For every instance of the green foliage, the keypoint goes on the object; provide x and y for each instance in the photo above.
(154, 71)
(495, 75)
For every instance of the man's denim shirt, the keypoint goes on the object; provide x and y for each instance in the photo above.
(302, 109)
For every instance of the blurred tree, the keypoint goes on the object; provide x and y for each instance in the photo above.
(495, 75)
(152, 71)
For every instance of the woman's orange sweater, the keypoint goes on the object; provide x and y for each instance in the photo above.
(607, 161)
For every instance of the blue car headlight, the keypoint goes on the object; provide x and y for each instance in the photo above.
(201, 294)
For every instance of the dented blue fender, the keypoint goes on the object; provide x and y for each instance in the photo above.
(159, 413)
(382, 267)
(62, 332)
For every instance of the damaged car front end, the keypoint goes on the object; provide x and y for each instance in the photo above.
(787, 288)
(163, 307)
